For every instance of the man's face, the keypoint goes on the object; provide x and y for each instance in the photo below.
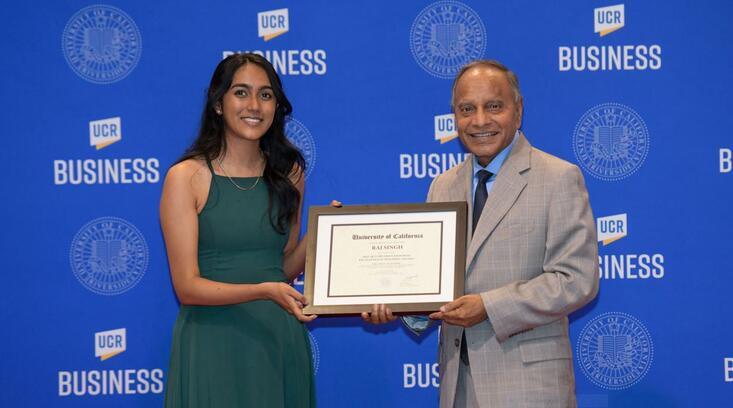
(486, 114)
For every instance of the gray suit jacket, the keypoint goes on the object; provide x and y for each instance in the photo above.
(533, 259)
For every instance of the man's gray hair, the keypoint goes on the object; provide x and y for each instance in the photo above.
(493, 64)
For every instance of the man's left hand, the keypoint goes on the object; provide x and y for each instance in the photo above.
(465, 311)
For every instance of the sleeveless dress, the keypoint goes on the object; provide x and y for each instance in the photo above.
(252, 354)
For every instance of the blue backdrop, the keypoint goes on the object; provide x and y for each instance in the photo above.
(100, 99)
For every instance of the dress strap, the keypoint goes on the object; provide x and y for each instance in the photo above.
(211, 168)
(212, 195)
(213, 175)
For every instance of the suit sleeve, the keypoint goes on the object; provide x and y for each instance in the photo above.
(569, 276)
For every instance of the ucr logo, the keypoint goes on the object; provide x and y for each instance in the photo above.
(611, 228)
(104, 132)
(608, 19)
(445, 128)
(110, 343)
(273, 23)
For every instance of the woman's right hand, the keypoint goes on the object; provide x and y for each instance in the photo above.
(288, 298)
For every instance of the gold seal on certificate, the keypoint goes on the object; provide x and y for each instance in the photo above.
(409, 256)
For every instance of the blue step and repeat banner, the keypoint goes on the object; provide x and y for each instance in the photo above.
(100, 99)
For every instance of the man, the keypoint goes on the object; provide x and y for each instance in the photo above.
(532, 256)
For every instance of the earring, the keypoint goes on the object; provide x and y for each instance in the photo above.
(217, 110)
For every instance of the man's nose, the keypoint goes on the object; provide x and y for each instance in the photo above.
(482, 118)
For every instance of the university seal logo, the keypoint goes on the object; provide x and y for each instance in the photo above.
(615, 351)
(299, 135)
(109, 256)
(315, 352)
(101, 44)
(445, 36)
(611, 141)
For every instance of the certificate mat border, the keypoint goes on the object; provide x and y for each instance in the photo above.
(459, 270)
(440, 257)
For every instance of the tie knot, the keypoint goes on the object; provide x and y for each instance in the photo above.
(484, 175)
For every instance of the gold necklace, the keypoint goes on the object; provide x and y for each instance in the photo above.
(221, 166)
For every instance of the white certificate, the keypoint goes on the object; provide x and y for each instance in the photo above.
(409, 256)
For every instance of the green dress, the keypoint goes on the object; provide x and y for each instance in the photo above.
(252, 354)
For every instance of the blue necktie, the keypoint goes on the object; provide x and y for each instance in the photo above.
(479, 198)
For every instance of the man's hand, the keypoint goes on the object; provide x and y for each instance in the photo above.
(465, 311)
(380, 314)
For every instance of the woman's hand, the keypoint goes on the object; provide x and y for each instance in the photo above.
(288, 298)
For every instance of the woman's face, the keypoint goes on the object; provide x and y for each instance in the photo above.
(248, 106)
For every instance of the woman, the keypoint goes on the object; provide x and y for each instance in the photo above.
(230, 213)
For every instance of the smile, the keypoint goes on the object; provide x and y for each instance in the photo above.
(484, 134)
(250, 120)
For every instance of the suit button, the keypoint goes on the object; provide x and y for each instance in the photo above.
(456, 342)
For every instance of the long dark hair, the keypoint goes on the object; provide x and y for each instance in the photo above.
(281, 157)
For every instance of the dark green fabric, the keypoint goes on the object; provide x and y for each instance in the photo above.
(251, 354)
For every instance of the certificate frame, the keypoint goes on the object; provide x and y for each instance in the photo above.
(421, 269)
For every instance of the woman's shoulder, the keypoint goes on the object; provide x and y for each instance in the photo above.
(188, 167)
(190, 171)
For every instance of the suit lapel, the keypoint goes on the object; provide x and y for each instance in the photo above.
(507, 187)
(461, 190)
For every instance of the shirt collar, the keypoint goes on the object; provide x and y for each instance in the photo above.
(494, 165)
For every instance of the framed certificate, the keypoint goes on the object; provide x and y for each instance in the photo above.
(408, 256)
